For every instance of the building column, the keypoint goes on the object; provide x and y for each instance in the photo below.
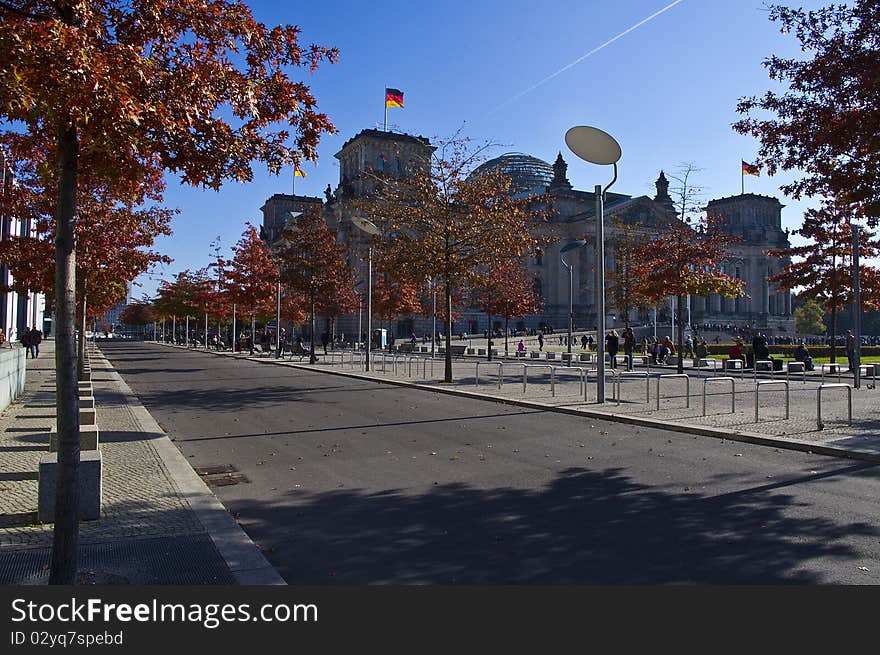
(787, 301)
(765, 297)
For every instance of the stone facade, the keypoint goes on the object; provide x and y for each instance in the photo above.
(756, 219)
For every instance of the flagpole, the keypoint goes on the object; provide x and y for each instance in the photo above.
(742, 178)
(385, 101)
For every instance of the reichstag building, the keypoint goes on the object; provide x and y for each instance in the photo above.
(755, 219)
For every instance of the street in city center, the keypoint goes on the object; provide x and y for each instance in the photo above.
(355, 482)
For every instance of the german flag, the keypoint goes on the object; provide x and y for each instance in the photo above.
(297, 172)
(751, 169)
(393, 98)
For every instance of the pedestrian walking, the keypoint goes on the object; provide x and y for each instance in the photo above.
(629, 344)
(324, 339)
(540, 341)
(612, 343)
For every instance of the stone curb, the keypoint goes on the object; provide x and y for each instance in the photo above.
(245, 561)
(716, 433)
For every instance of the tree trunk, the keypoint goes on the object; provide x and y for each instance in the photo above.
(312, 358)
(447, 372)
(65, 541)
(506, 332)
(679, 321)
(833, 335)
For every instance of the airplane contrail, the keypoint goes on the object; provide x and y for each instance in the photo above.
(590, 53)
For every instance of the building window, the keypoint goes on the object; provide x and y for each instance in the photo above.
(537, 287)
(398, 169)
(539, 257)
(380, 163)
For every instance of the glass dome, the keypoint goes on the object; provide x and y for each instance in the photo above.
(529, 174)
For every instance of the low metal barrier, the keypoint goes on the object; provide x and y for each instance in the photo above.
(831, 369)
(526, 368)
(582, 380)
(819, 391)
(500, 366)
(866, 369)
(709, 381)
(767, 362)
(633, 374)
(803, 370)
(763, 383)
(710, 363)
(687, 381)
(735, 364)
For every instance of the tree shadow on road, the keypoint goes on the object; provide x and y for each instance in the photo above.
(586, 527)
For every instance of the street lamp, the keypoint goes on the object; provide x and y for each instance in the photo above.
(571, 245)
(370, 228)
(597, 147)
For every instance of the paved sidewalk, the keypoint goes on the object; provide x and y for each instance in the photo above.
(800, 431)
(160, 524)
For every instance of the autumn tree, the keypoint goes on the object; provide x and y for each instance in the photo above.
(507, 291)
(822, 268)
(251, 276)
(313, 265)
(624, 291)
(825, 123)
(808, 318)
(442, 223)
(114, 234)
(123, 88)
(394, 295)
(685, 259)
(137, 314)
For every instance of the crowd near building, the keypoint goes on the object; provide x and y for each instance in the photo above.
(756, 220)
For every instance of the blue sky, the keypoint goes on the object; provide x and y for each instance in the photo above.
(666, 90)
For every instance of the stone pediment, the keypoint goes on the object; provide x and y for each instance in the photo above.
(640, 210)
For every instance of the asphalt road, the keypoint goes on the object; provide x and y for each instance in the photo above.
(355, 482)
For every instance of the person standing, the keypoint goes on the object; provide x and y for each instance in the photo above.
(540, 341)
(36, 340)
(851, 350)
(26, 341)
(584, 342)
(612, 343)
(629, 344)
(282, 337)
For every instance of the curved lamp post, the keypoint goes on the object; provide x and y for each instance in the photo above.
(369, 227)
(597, 147)
(571, 245)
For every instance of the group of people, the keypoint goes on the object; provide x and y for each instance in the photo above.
(31, 340)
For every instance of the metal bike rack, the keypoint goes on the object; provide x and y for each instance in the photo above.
(687, 381)
(742, 367)
(830, 367)
(763, 361)
(526, 367)
(582, 379)
(761, 383)
(500, 366)
(708, 381)
(822, 387)
(803, 370)
(713, 362)
(869, 368)
(634, 374)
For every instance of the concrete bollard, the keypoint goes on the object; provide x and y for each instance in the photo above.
(89, 438)
(90, 482)
(551, 355)
(86, 402)
(87, 416)
(535, 355)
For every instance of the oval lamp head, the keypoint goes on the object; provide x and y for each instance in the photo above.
(593, 145)
(573, 245)
(366, 225)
